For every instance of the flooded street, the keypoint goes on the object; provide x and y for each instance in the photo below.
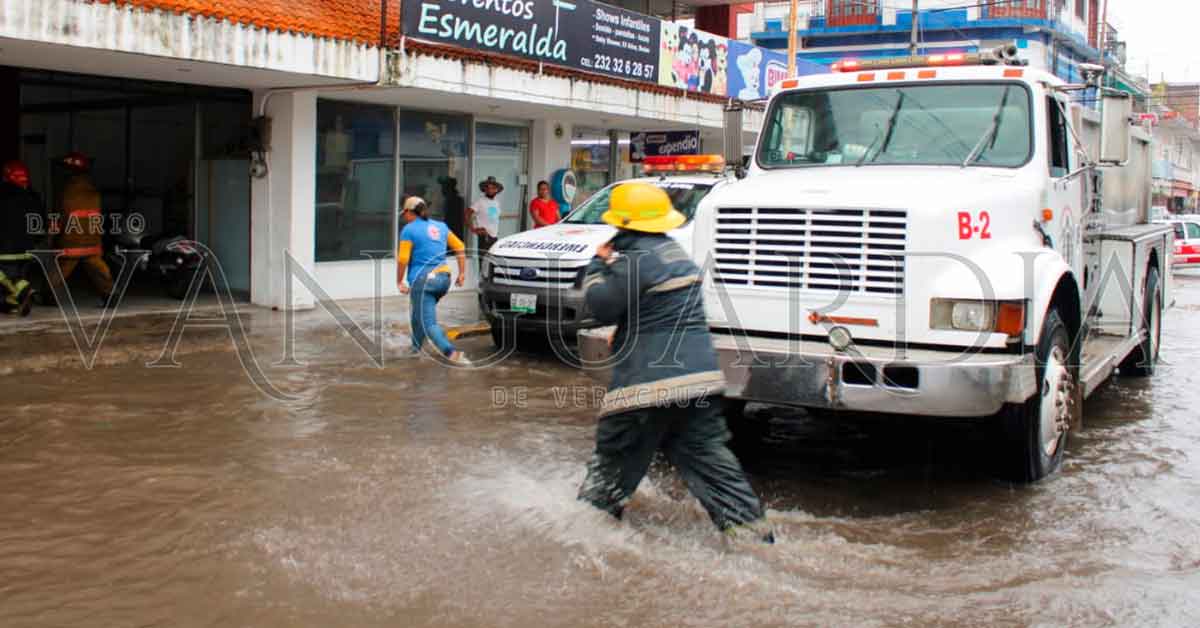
(414, 495)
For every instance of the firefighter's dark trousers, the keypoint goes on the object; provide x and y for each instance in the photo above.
(693, 438)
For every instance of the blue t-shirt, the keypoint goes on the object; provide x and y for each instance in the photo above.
(428, 239)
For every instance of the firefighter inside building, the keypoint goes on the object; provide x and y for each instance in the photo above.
(20, 208)
(79, 229)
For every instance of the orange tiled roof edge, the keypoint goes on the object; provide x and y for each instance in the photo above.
(353, 20)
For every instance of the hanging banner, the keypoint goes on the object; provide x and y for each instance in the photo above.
(660, 143)
(576, 34)
(595, 37)
(693, 60)
(753, 71)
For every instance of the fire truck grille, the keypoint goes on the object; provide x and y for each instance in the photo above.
(849, 250)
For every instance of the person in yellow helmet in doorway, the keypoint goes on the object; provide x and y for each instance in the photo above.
(80, 228)
(666, 390)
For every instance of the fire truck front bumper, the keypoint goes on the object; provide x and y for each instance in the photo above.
(812, 374)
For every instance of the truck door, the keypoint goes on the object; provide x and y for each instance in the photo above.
(1067, 195)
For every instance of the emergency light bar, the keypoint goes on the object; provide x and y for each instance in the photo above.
(683, 163)
(1006, 55)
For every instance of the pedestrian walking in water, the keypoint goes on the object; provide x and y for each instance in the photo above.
(421, 259)
(665, 394)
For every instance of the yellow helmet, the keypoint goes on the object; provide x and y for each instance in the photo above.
(642, 207)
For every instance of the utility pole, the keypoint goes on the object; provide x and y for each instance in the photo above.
(912, 41)
(792, 38)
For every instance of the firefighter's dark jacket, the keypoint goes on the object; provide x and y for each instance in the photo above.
(662, 348)
(15, 205)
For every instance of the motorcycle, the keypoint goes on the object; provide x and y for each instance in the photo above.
(174, 260)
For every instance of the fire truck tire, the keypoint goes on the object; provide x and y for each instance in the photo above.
(1035, 432)
(1141, 361)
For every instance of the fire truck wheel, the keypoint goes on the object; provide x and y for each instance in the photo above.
(1141, 361)
(1035, 432)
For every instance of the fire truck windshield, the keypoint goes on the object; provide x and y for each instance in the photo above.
(934, 124)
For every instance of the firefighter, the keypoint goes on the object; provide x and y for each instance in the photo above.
(20, 212)
(665, 394)
(81, 227)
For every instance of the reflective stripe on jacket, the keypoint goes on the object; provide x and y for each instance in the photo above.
(662, 347)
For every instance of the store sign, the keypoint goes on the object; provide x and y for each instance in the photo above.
(595, 37)
(576, 34)
(654, 144)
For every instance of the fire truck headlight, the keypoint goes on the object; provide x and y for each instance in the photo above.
(972, 315)
(1007, 317)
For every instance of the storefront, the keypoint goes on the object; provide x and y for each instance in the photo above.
(370, 157)
(168, 159)
(288, 144)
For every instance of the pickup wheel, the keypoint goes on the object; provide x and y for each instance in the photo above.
(1035, 432)
(1141, 361)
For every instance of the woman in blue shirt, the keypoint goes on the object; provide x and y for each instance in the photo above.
(421, 259)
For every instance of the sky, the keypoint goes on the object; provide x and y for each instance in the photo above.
(1161, 33)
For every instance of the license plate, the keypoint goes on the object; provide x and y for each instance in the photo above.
(526, 303)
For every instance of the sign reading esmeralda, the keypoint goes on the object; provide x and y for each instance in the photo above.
(576, 34)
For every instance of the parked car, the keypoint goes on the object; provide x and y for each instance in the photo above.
(1187, 240)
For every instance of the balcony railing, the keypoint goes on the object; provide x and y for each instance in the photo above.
(1017, 8)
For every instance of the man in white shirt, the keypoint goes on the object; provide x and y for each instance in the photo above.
(484, 214)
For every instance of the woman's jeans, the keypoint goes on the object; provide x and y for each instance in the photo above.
(424, 297)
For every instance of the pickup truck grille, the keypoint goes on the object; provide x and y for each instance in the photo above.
(853, 250)
(535, 273)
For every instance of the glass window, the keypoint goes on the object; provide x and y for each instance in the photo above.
(987, 125)
(1193, 231)
(433, 164)
(684, 196)
(1178, 231)
(589, 160)
(1059, 142)
(356, 175)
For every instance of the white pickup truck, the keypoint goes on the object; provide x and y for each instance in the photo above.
(954, 236)
(531, 283)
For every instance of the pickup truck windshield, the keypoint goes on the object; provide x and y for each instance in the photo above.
(684, 196)
(972, 124)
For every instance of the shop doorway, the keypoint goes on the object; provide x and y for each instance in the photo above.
(167, 159)
(502, 151)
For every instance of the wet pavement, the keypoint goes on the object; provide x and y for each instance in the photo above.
(410, 494)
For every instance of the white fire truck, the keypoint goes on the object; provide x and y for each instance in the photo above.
(952, 236)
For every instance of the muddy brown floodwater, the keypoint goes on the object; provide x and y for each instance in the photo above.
(410, 495)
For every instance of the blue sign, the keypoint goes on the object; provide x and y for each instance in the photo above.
(660, 143)
(562, 189)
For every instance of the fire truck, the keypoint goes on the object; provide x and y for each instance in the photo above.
(958, 236)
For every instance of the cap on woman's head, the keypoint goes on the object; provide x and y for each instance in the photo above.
(413, 203)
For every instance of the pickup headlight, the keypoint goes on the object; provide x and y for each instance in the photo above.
(1005, 317)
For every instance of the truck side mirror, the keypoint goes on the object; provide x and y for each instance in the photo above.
(1115, 133)
(733, 143)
